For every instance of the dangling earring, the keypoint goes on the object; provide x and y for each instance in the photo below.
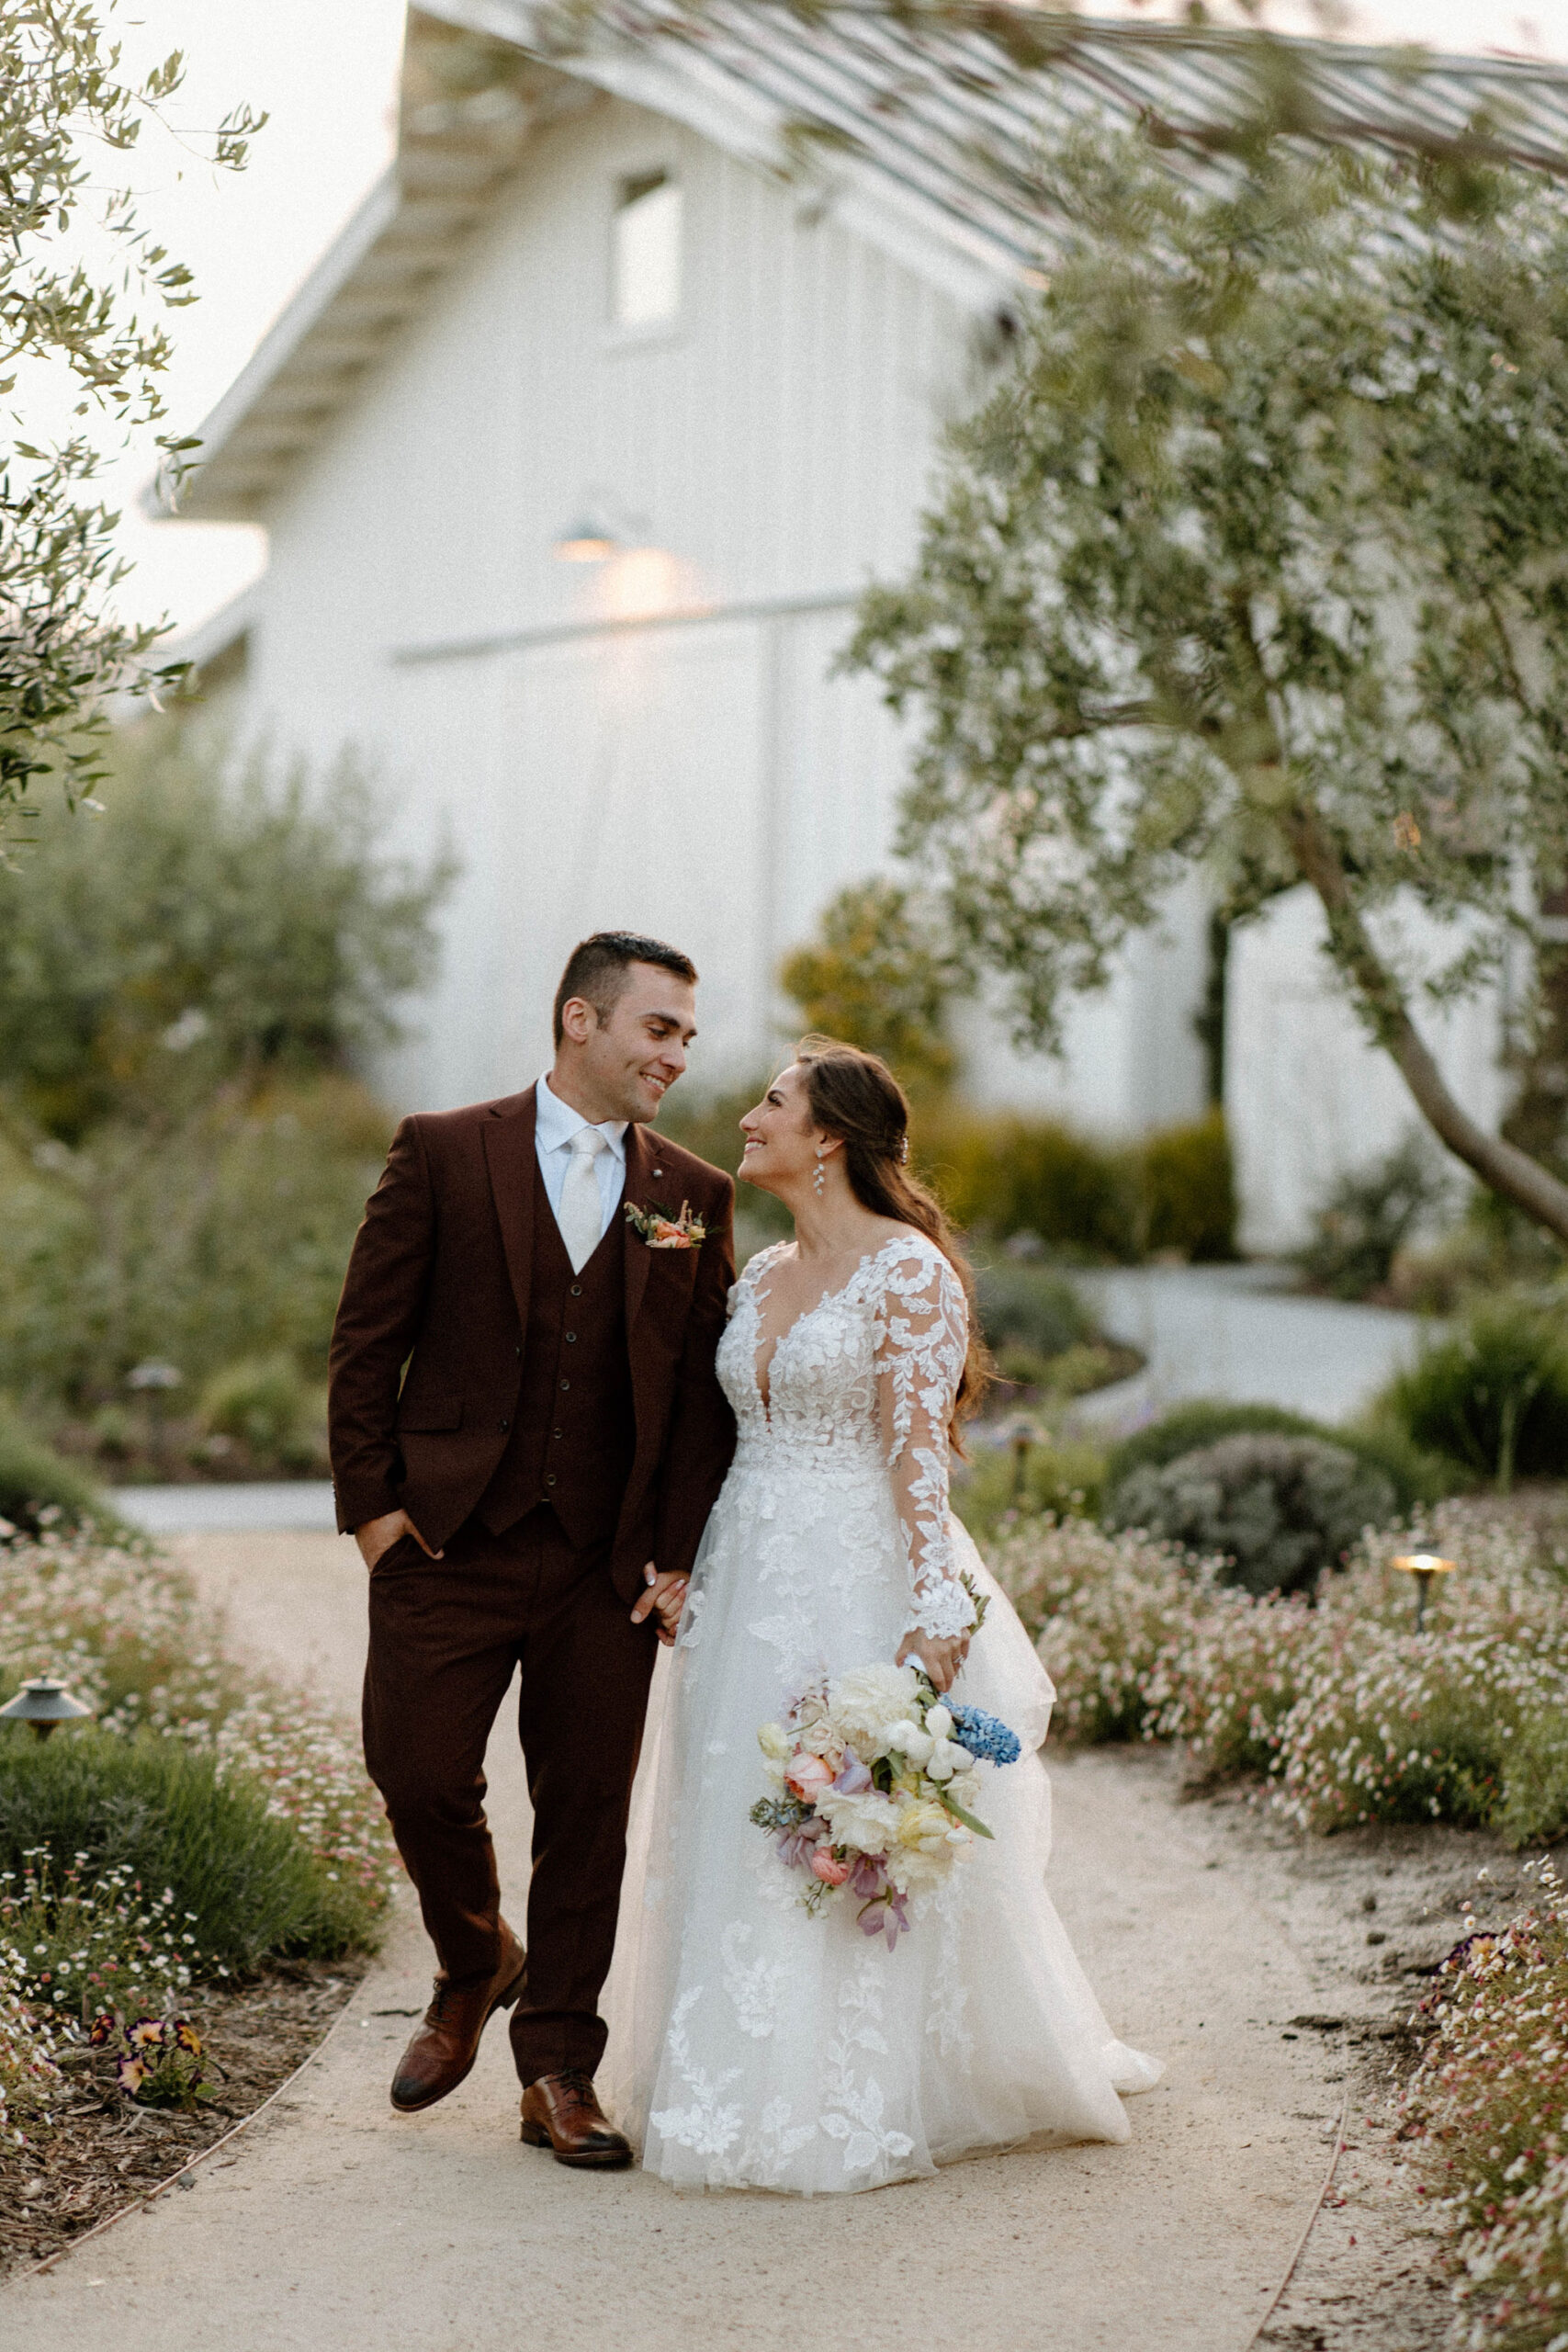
(819, 1181)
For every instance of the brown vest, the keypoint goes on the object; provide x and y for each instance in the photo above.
(573, 1434)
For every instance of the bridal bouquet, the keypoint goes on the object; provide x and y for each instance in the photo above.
(877, 1780)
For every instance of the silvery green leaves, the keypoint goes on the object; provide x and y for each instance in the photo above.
(66, 115)
(1253, 562)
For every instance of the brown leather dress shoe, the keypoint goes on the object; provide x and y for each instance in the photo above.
(562, 2111)
(443, 2050)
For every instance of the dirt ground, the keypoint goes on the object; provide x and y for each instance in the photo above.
(101, 2153)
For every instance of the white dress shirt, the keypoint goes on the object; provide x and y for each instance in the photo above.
(555, 1123)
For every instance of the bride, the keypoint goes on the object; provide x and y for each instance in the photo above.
(754, 2044)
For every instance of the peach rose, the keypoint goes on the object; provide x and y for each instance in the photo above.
(830, 1873)
(807, 1776)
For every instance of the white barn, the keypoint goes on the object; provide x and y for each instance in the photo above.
(585, 315)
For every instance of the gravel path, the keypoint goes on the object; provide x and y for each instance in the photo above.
(333, 2223)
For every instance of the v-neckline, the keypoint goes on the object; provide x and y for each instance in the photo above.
(765, 1396)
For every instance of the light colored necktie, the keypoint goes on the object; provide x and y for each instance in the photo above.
(581, 1216)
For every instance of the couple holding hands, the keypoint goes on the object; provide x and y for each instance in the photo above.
(564, 1435)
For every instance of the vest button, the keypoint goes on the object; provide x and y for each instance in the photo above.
(571, 1337)
(565, 1383)
(555, 1432)
(577, 1290)
(550, 1477)
(506, 1425)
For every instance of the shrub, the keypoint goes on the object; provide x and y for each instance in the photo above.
(123, 1628)
(224, 1237)
(1279, 1509)
(1491, 1398)
(1353, 1715)
(1487, 2109)
(85, 1941)
(29, 2077)
(879, 975)
(39, 1490)
(1025, 1307)
(1228, 1683)
(1367, 1217)
(1187, 1429)
(173, 1820)
(1062, 1477)
(1011, 1175)
(207, 927)
(120, 1625)
(1106, 1609)
(1188, 1185)
(266, 1404)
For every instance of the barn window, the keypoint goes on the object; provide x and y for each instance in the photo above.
(644, 268)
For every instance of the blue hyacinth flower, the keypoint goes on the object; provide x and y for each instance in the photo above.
(984, 1736)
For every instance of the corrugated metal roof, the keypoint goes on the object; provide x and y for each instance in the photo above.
(950, 118)
(926, 137)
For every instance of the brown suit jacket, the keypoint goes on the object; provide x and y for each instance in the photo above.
(439, 1280)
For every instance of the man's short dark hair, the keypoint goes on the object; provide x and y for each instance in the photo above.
(597, 969)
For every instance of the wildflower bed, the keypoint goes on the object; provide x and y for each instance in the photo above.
(234, 1866)
(1347, 1716)
(1487, 2112)
(1349, 1712)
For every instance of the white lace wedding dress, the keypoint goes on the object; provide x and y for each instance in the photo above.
(753, 2045)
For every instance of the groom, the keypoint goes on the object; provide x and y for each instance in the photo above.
(530, 1492)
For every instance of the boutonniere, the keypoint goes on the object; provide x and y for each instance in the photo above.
(662, 1231)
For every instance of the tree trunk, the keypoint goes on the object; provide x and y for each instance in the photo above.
(1501, 1165)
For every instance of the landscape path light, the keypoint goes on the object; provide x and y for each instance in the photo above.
(1423, 1566)
(155, 1381)
(1020, 1437)
(43, 1702)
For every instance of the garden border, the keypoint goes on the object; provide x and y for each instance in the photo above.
(141, 2204)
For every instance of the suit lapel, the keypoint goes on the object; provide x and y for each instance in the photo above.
(639, 1164)
(509, 1159)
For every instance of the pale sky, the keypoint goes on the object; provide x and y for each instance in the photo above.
(326, 74)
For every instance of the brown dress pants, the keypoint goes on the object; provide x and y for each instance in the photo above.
(445, 1636)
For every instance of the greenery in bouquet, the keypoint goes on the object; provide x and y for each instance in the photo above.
(876, 1779)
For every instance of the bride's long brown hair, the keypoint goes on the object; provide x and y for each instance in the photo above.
(854, 1096)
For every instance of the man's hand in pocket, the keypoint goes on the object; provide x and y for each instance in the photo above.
(379, 1535)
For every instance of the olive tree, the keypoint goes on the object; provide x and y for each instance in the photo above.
(1257, 560)
(65, 104)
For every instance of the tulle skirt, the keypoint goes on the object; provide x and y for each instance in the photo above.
(754, 2045)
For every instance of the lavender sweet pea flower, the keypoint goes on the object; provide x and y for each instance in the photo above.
(797, 1846)
(853, 1778)
(887, 1916)
(868, 1879)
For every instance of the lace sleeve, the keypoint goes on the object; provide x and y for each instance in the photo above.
(922, 1334)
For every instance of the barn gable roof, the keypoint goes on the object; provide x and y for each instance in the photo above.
(942, 182)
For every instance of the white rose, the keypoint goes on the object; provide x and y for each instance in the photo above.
(938, 1723)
